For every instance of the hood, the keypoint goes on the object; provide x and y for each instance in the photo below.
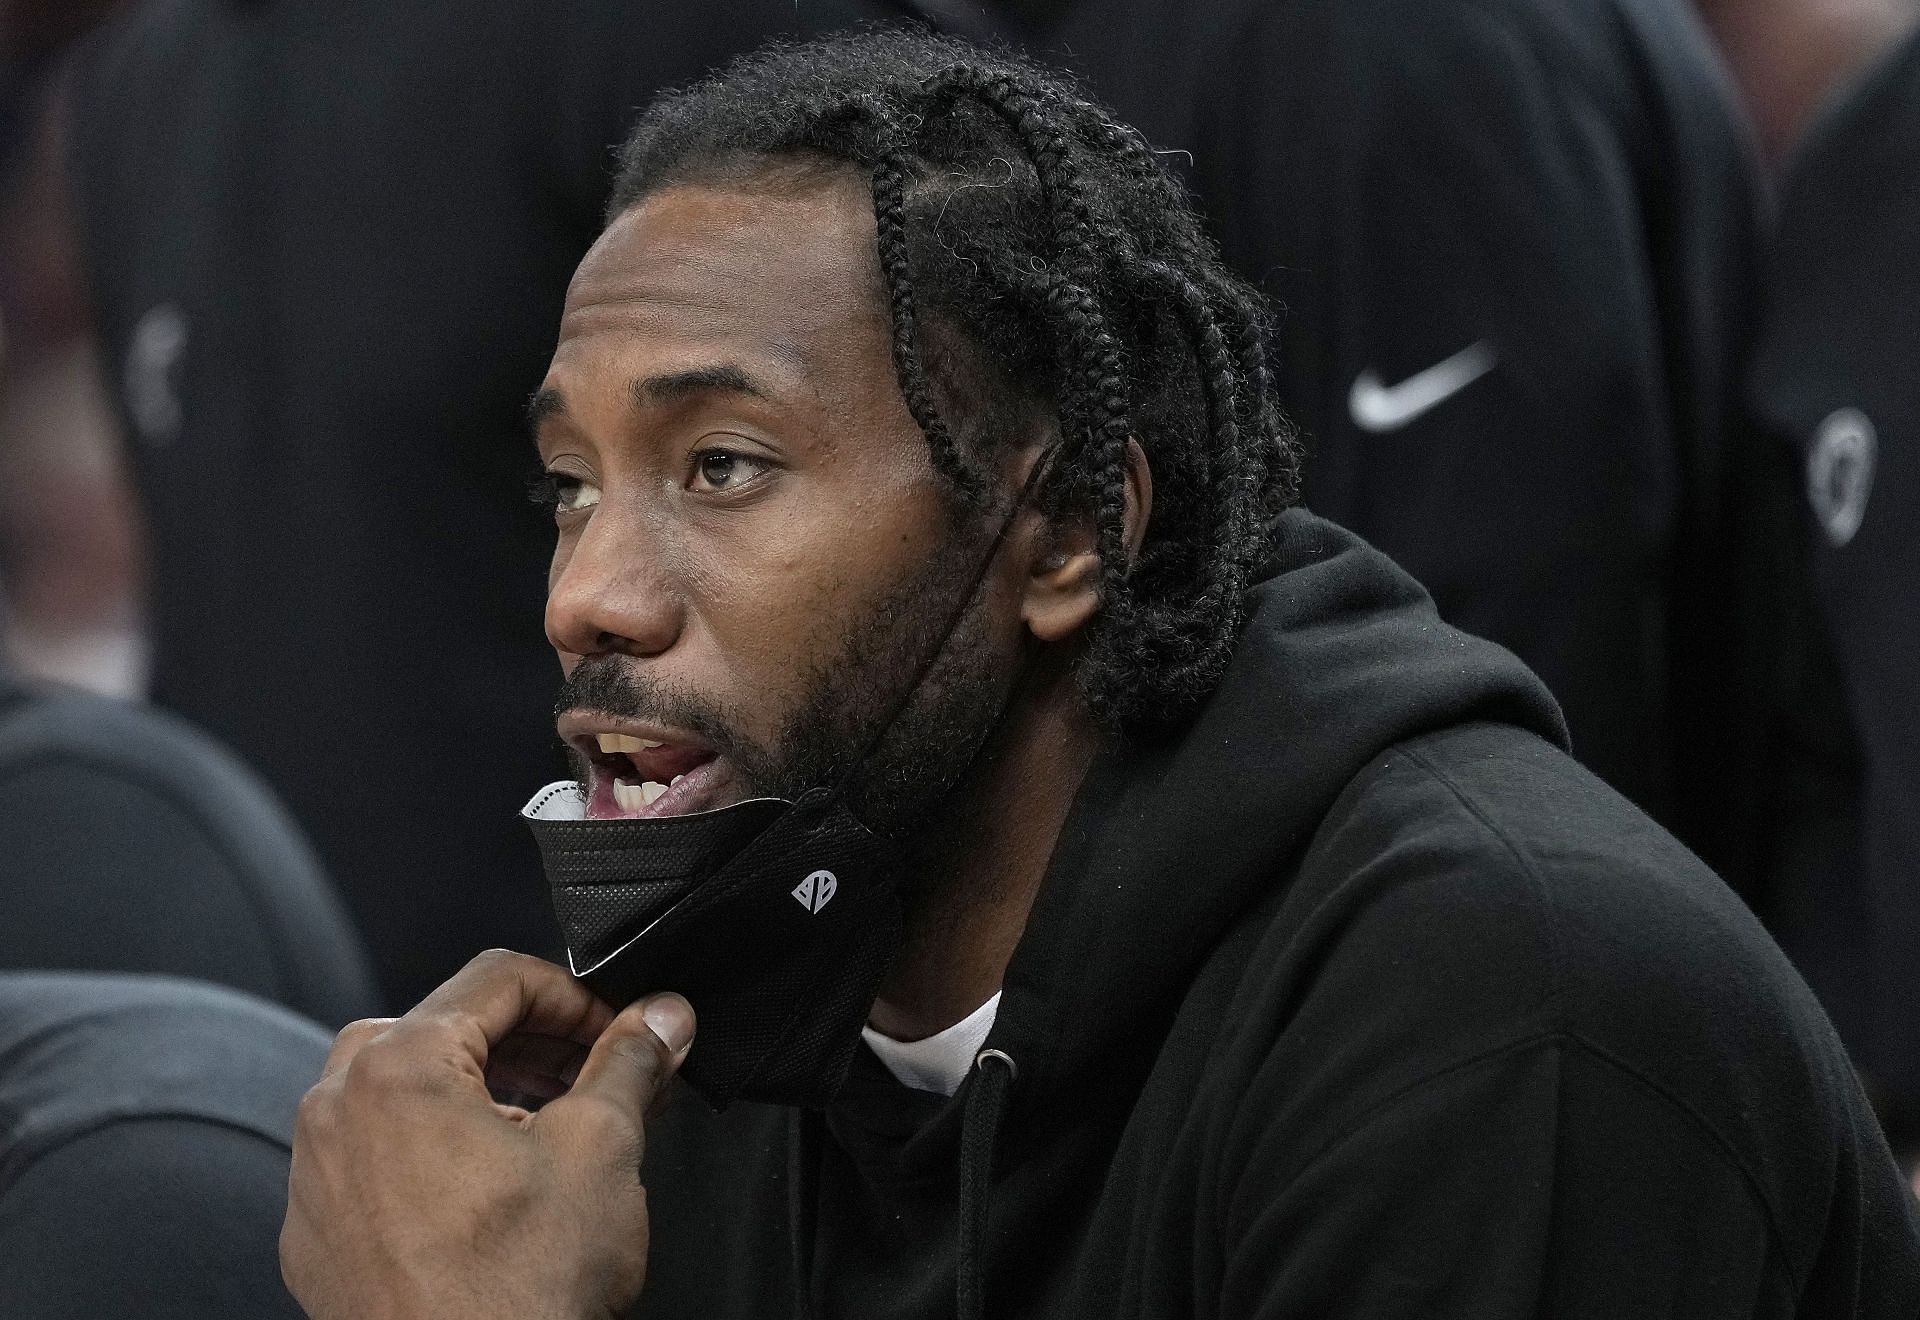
(1168, 845)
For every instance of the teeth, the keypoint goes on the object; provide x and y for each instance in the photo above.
(610, 743)
(629, 796)
(676, 779)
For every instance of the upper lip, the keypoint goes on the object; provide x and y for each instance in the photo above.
(581, 729)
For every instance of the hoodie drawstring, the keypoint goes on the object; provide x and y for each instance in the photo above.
(979, 1133)
(803, 1199)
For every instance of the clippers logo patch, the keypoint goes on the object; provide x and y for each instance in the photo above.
(1840, 473)
(817, 890)
(153, 353)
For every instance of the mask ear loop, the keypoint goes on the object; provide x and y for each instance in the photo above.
(824, 796)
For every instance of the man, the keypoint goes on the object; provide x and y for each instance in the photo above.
(1834, 378)
(317, 236)
(914, 460)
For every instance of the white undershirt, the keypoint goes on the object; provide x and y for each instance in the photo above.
(940, 1062)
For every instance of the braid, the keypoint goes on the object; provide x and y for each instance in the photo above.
(1067, 268)
(1095, 377)
(879, 147)
(889, 213)
(1220, 373)
(1191, 647)
(1279, 484)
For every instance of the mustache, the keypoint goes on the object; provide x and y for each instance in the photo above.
(605, 685)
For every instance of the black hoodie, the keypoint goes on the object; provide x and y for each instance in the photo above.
(1360, 999)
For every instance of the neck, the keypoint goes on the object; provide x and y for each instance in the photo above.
(981, 863)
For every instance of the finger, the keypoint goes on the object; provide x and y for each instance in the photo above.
(503, 991)
(494, 995)
(353, 1038)
(634, 1059)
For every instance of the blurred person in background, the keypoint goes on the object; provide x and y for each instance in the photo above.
(69, 543)
(1515, 248)
(1837, 380)
(326, 245)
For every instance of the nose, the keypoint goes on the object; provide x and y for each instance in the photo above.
(612, 590)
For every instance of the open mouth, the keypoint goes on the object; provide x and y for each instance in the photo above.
(641, 775)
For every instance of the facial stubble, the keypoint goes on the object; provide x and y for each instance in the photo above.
(894, 710)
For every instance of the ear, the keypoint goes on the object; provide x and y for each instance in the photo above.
(1063, 590)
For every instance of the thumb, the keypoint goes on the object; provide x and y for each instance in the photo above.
(632, 1061)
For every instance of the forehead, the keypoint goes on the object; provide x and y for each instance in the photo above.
(786, 269)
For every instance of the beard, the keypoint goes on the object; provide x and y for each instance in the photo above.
(893, 711)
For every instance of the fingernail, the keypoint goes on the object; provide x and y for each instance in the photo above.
(671, 1019)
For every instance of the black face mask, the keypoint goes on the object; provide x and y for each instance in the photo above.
(776, 919)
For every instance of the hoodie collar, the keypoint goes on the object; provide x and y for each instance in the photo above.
(1168, 845)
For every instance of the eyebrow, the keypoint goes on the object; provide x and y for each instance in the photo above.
(543, 403)
(652, 391)
(716, 378)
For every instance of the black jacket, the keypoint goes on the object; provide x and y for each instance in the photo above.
(1359, 999)
(1836, 380)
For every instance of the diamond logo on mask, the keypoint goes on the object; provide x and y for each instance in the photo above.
(817, 890)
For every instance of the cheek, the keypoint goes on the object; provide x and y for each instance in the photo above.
(778, 601)
(768, 609)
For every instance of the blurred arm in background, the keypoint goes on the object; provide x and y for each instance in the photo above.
(1791, 56)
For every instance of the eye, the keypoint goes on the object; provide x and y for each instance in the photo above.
(722, 469)
(562, 492)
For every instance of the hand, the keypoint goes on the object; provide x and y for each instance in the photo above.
(415, 1194)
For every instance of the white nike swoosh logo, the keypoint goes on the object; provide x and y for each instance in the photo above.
(1378, 407)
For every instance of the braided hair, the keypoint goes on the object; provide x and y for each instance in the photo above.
(1033, 249)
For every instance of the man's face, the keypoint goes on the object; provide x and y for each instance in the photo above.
(754, 556)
